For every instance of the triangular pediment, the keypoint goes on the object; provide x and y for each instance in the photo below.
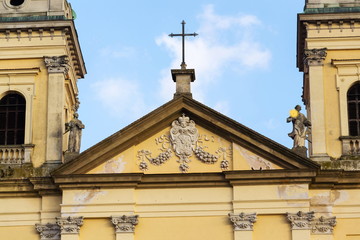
(184, 136)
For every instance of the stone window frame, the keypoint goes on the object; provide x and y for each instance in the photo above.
(8, 5)
(348, 74)
(21, 81)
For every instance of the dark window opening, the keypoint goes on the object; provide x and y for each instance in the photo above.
(353, 102)
(12, 119)
(16, 2)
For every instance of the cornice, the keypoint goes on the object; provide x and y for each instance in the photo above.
(69, 33)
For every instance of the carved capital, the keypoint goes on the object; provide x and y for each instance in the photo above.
(323, 225)
(243, 221)
(124, 224)
(57, 64)
(69, 225)
(300, 220)
(315, 57)
(49, 231)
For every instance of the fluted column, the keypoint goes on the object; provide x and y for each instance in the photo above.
(57, 70)
(243, 225)
(314, 60)
(125, 226)
(70, 227)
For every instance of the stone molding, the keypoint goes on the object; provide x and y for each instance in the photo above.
(57, 64)
(69, 225)
(125, 224)
(243, 221)
(315, 57)
(300, 220)
(49, 231)
(323, 225)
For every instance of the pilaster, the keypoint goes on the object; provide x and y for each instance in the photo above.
(300, 224)
(314, 60)
(57, 70)
(243, 225)
(49, 231)
(125, 226)
(70, 227)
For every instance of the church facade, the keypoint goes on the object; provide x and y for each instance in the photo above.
(183, 171)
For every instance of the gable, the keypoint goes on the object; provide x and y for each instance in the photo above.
(162, 153)
(184, 136)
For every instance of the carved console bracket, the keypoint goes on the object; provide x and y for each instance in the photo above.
(69, 225)
(323, 225)
(125, 224)
(300, 220)
(57, 64)
(243, 221)
(49, 231)
(315, 57)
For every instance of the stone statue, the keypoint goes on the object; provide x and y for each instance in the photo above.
(75, 127)
(300, 127)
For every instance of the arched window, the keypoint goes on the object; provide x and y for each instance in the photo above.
(353, 100)
(12, 119)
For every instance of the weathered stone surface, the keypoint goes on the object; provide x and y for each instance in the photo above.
(332, 3)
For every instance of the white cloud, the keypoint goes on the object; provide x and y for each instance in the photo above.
(211, 53)
(121, 97)
(123, 52)
(272, 124)
(223, 107)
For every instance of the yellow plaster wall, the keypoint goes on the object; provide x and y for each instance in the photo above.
(181, 228)
(337, 48)
(97, 229)
(347, 229)
(271, 227)
(28, 53)
(332, 104)
(19, 233)
(243, 159)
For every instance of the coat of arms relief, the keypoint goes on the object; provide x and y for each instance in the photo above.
(185, 141)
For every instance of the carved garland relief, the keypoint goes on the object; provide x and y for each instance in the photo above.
(184, 141)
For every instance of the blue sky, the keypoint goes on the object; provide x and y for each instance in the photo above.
(244, 59)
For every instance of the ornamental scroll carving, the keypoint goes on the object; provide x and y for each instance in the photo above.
(184, 141)
(300, 220)
(125, 223)
(243, 221)
(307, 220)
(57, 64)
(49, 231)
(69, 225)
(323, 225)
(315, 57)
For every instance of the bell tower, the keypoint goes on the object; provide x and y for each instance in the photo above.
(328, 53)
(40, 63)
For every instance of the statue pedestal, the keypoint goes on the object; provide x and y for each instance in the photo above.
(302, 151)
(70, 156)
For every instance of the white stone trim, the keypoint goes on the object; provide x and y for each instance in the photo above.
(69, 225)
(49, 231)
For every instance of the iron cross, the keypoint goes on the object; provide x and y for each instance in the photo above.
(183, 35)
